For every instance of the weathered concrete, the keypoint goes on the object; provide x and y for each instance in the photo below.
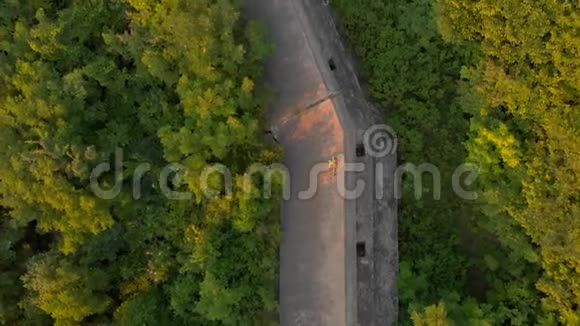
(321, 112)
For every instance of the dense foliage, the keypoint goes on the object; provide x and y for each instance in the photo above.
(524, 134)
(165, 81)
(494, 83)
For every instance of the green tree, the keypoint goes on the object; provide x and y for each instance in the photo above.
(435, 315)
(166, 81)
(524, 99)
(66, 291)
(144, 309)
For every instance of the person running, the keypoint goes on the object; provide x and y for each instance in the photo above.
(332, 165)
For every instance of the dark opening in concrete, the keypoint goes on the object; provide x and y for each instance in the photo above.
(360, 150)
(331, 64)
(361, 249)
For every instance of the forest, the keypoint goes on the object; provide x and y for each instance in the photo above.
(497, 84)
(163, 81)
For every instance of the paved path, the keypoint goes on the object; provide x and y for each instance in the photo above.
(321, 112)
(312, 254)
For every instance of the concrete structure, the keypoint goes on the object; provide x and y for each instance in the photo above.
(338, 256)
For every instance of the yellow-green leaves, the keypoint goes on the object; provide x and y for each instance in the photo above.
(67, 292)
(529, 116)
(167, 82)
